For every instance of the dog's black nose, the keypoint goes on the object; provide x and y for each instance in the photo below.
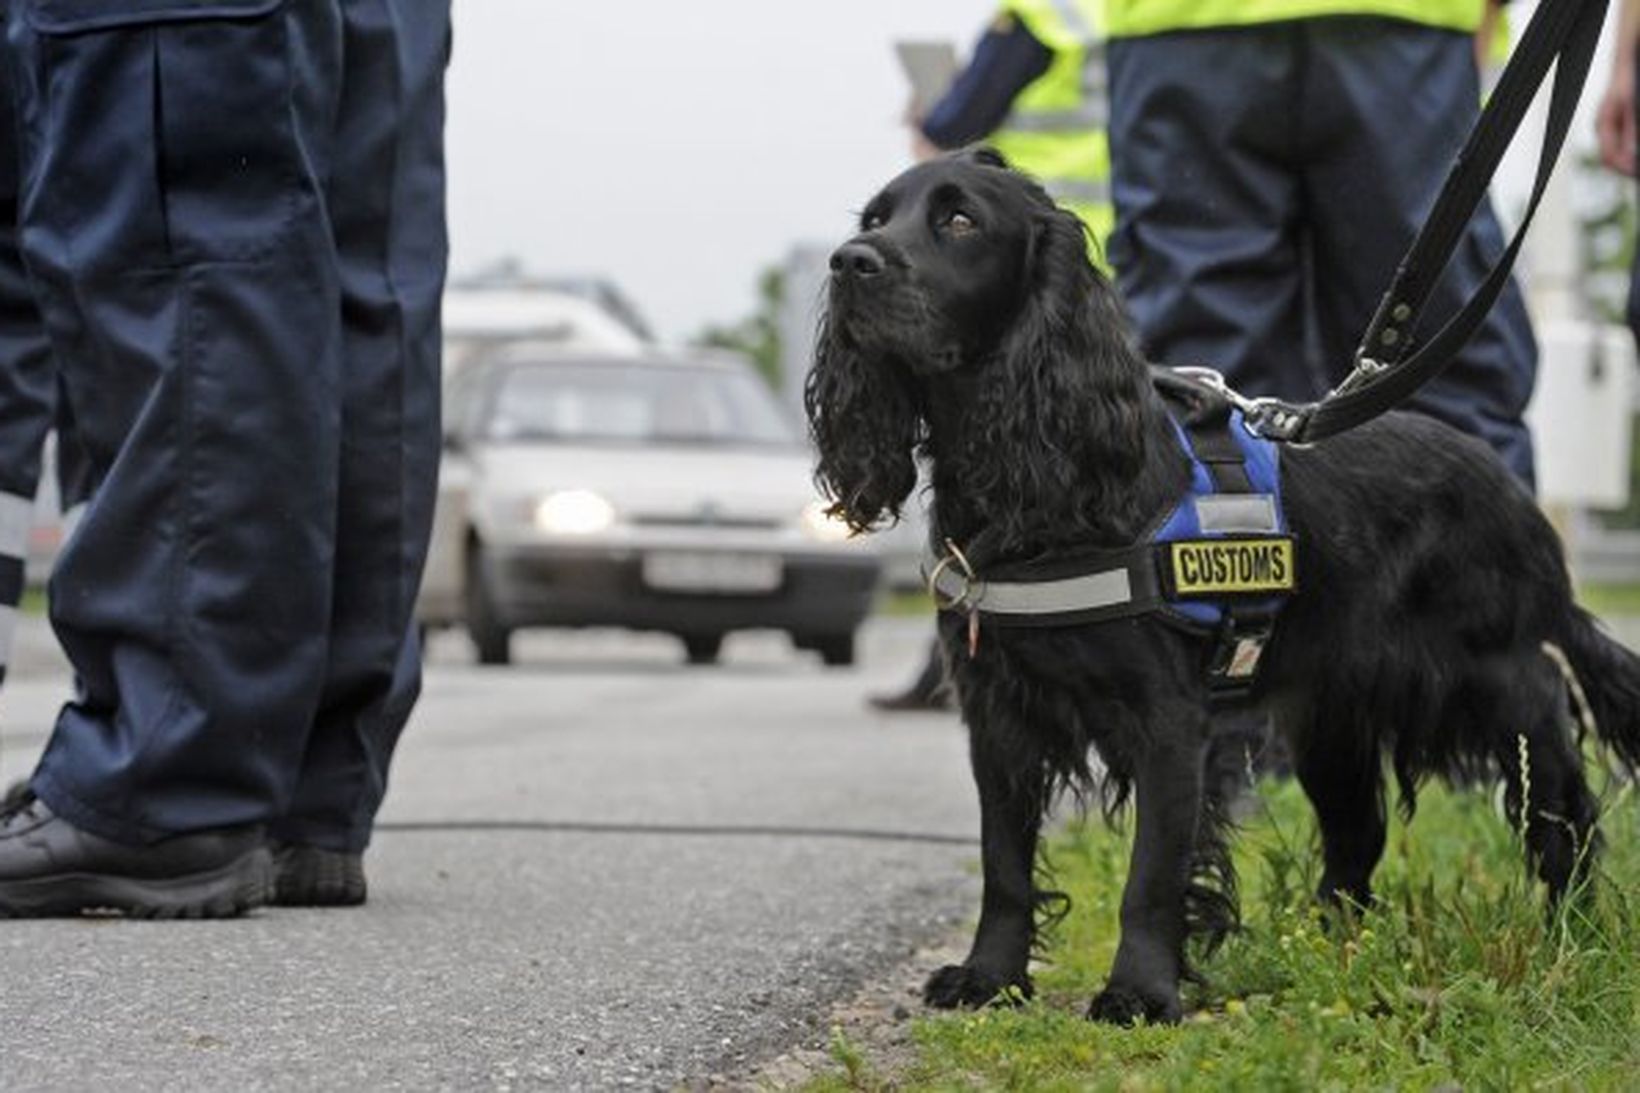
(856, 260)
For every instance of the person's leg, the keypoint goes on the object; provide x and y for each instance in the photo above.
(1207, 247)
(173, 221)
(387, 204)
(1390, 105)
(1210, 247)
(28, 385)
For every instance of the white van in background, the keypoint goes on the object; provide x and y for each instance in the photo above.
(578, 316)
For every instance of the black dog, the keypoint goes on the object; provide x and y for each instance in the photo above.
(966, 320)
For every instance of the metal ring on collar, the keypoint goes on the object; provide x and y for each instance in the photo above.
(955, 555)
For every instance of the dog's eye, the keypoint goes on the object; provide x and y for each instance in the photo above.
(871, 221)
(960, 223)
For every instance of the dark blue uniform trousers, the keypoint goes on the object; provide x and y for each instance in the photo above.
(29, 404)
(27, 392)
(1267, 181)
(233, 214)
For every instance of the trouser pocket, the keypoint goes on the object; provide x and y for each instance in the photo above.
(171, 134)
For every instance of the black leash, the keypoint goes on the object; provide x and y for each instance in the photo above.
(1566, 31)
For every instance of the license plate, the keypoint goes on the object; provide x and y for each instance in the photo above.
(682, 572)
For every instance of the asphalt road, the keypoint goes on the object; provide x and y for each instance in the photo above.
(597, 869)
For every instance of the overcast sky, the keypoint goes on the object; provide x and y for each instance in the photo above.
(675, 147)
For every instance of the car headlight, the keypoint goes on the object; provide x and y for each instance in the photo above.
(573, 512)
(821, 525)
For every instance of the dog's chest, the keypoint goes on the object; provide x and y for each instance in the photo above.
(1084, 680)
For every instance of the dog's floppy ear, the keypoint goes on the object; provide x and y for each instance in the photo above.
(865, 425)
(1067, 373)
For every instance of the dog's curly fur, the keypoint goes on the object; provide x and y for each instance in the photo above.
(965, 323)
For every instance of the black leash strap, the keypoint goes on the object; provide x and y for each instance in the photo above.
(1566, 31)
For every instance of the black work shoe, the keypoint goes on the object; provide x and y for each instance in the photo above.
(307, 876)
(49, 867)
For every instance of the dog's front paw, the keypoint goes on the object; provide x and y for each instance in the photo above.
(962, 985)
(1123, 1005)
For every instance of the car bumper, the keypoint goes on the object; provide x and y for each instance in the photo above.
(549, 586)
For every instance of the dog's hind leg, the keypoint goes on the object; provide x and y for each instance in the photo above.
(1012, 798)
(1211, 909)
(1339, 766)
(1546, 796)
(1144, 980)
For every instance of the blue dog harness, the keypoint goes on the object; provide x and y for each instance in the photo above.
(1219, 563)
(1229, 532)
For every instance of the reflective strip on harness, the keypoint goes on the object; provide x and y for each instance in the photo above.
(1111, 588)
(1228, 513)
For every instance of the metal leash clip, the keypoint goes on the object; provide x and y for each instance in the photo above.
(1267, 417)
(1212, 377)
(1273, 419)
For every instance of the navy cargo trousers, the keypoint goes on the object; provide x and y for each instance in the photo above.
(1267, 181)
(27, 394)
(232, 217)
(30, 406)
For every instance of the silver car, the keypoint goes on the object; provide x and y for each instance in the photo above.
(646, 492)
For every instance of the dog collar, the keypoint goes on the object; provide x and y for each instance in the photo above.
(1111, 586)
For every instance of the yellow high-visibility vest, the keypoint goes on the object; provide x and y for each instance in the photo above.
(1056, 130)
(1132, 18)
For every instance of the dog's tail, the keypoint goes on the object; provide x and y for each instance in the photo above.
(1604, 680)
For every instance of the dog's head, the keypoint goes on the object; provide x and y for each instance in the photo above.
(939, 269)
(962, 268)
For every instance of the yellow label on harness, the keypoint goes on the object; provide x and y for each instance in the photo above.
(1220, 566)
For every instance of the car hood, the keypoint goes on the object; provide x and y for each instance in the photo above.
(665, 484)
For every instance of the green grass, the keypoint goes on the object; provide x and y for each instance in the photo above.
(34, 601)
(1459, 979)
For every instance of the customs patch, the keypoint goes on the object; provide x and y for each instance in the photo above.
(1220, 567)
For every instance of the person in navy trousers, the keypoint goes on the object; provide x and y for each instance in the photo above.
(231, 214)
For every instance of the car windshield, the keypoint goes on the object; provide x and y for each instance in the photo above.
(608, 401)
